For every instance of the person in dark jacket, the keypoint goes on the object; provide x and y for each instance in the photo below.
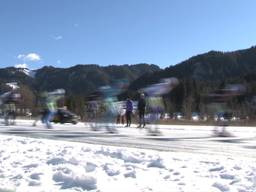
(128, 113)
(141, 110)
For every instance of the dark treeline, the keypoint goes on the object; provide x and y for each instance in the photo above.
(199, 76)
(203, 75)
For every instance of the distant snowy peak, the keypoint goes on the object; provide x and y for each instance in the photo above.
(23, 70)
(27, 71)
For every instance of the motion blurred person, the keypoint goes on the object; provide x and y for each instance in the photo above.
(51, 104)
(8, 102)
(9, 107)
(42, 112)
(141, 110)
(121, 116)
(155, 103)
(121, 112)
(110, 108)
(92, 112)
(218, 103)
(128, 113)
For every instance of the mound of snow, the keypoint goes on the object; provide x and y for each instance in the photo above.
(217, 168)
(35, 176)
(227, 176)
(90, 167)
(111, 170)
(69, 181)
(221, 187)
(130, 174)
(56, 161)
(156, 163)
(56, 165)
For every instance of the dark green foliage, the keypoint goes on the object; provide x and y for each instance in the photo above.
(203, 74)
(85, 79)
(78, 81)
(199, 76)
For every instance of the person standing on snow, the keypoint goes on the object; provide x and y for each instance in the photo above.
(141, 110)
(128, 113)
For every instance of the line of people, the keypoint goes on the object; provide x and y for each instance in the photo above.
(48, 104)
(11, 98)
(141, 107)
(153, 104)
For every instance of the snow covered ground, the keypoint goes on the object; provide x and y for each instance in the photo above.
(49, 165)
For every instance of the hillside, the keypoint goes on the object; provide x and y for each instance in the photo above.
(79, 79)
(84, 79)
(204, 74)
(211, 67)
(199, 76)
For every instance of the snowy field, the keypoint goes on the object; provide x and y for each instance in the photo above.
(42, 165)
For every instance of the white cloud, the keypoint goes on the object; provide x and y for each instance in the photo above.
(21, 56)
(58, 61)
(23, 66)
(33, 57)
(58, 37)
(29, 57)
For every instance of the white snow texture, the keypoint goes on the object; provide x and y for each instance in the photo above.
(40, 165)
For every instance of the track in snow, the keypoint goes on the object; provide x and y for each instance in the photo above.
(177, 138)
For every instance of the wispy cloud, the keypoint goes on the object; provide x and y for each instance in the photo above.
(58, 37)
(20, 56)
(22, 66)
(29, 57)
(58, 61)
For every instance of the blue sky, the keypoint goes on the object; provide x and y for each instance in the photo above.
(64, 33)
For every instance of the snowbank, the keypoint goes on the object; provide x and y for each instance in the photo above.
(31, 165)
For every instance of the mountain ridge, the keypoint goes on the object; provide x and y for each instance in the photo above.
(77, 79)
(199, 76)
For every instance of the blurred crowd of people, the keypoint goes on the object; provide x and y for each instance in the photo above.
(104, 106)
(48, 103)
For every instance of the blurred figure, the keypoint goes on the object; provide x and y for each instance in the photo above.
(128, 113)
(162, 88)
(110, 107)
(222, 122)
(141, 110)
(51, 106)
(93, 110)
(219, 104)
(110, 114)
(121, 113)
(155, 108)
(155, 104)
(8, 102)
(41, 113)
(123, 116)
